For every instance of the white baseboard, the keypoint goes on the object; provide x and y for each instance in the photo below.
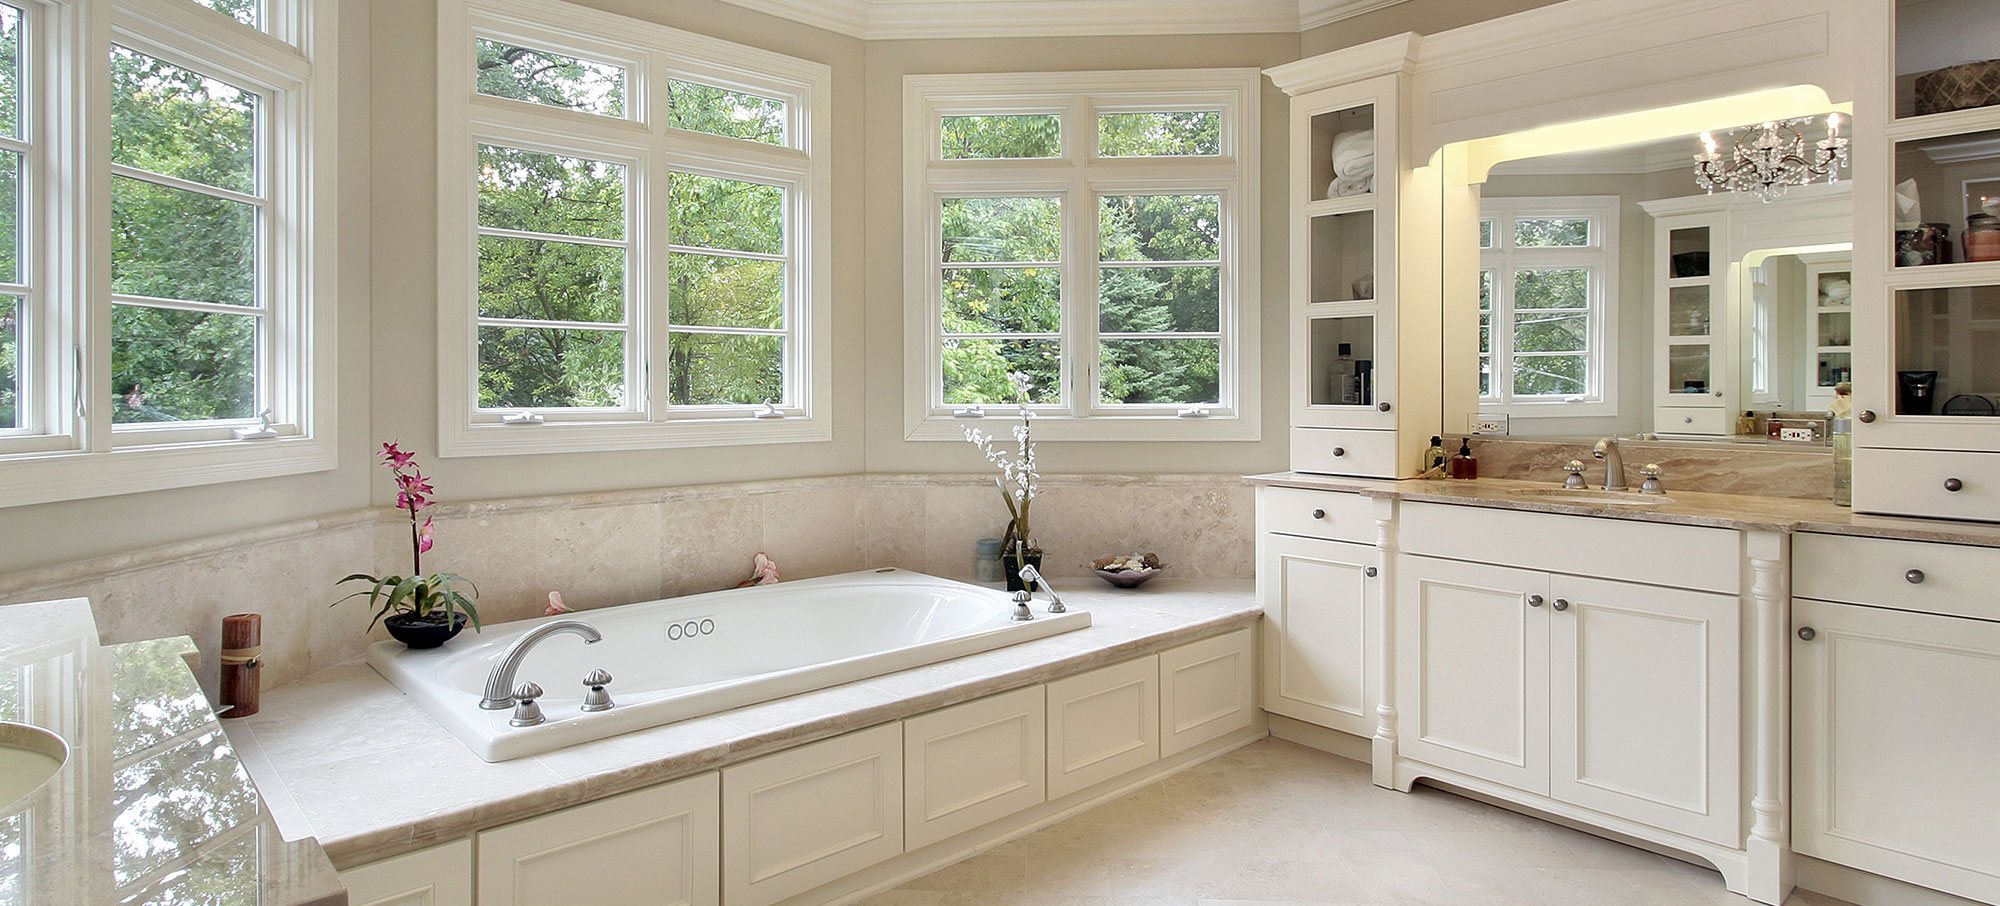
(1864, 889)
(1313, 736)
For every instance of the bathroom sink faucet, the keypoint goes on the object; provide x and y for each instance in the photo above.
(1033, 577)
(500, 683)
(1614, 463)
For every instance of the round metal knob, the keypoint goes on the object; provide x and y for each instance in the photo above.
(1914, 577)
(1535, 600)
(1382, 407)
(1687, 419)
(1562, 604)
(594, 696)
(1370, 572)
(1650, 470)
(527, 691)
(1807, 634)
(1338, 452)
(598, 677)
(1867, 416)
(1319, 514)
(1575, 465)
(1954, 485)
(1718, 393)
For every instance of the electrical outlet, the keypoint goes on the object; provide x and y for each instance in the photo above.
(1487, 423)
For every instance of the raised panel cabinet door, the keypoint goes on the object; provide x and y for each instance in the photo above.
(1646, 697)
(1208, 690)
(1472, 669)
(438, 876)
(1320, 622)
(1894, 731)
(1103, 724)
(972, 764)
(803, 817)
(654, 847)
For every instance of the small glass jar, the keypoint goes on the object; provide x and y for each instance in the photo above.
(986, 561)
(1982, 238)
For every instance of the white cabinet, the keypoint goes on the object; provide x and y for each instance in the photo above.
(972, 764)
(1208, 690)
(1894, 736)
(1613, 696)
(1103, 724)
(803, 817)
(439, 876)
(1320, 621)
(655, 847)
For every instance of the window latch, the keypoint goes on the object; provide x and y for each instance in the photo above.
(1195, 412)
(523, 417)
(969, 412)
(768, 410)
(264, 430)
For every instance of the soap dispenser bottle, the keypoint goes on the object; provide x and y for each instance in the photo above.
(1434, 459)
(1464, 465)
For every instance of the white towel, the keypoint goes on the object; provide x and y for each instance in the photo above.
(1354, 154)
(1345, 186)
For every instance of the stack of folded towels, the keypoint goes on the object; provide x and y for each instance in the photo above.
(1353, 163)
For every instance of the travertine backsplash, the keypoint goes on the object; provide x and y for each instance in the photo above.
(1804, 473)
(617, 548)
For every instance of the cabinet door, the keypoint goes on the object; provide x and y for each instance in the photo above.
(439, 876)
(1103, 724)
(806, 816)
(973, 764)
(655, 847)
(1645, 702)
(1893, 741)
(1208, 690)
(1472, 676)
(1320, 622)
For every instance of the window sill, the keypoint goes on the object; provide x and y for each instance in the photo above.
(1590, 409)
(458, 438)
(32, 478)
(1102, 429)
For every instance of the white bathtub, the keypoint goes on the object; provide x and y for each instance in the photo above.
(684, 657)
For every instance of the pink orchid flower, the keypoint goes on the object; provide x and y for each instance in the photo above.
(424, 534)
(395, 457)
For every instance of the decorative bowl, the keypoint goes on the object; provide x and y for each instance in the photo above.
(1129, 578)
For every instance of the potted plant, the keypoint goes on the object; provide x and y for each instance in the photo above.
(421, 611)
(1018, 481)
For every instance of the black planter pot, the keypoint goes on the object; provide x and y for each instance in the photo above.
(1012, 562)
(423, 634)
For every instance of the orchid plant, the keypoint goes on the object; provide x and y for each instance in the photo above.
(420, 598)
(1019, 479)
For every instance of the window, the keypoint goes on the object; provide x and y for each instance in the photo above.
(166, 297)
(1547, 316)
(1088, 246)
(632, 255)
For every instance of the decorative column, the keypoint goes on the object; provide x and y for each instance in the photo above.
(1770, 844)
(1384, 755)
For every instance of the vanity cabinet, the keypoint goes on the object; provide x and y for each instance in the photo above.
(439, 876)
(805, 816)
(655, 847)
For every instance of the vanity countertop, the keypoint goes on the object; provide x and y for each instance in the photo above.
(1743, 512)
(152, 806)
(345, 757)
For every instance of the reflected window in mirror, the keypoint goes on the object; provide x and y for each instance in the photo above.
(1548, 271)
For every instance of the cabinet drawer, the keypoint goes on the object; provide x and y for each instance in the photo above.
(439, 876)
(1951, 579)
(1919, 483)
(1690, 420)
(1677, 556)
(803, 817)
(1103, 724)
(1318, 514)
(1208, 690)
(973, 764)
(655, 847)
(1339, 451)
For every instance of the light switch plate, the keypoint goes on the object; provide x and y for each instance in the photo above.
(1487, 423)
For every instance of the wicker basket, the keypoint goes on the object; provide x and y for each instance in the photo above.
(1959, 87)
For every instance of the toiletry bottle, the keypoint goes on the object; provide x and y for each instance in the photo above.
(1464, 465)
(1434, 459)
(1343, 376)
(1747, 425)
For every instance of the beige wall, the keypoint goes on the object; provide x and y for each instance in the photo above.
(1425, 17)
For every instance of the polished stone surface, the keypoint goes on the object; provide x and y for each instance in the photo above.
(330, 751)
(152, 806)
(1763, 470)
(1276, 824)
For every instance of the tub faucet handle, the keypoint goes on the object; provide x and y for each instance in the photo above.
(526, 712)
(1021, 612)
(594, 696)
(1032, 577)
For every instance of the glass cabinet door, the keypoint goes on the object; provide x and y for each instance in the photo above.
(1944, 354)
(1342, 356)
(1692, 315)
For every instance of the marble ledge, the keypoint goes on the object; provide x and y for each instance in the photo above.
(343, 756)
(1740, 512)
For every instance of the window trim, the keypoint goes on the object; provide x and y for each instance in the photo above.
(1080, 176)
(654, 54)
(1601, 257)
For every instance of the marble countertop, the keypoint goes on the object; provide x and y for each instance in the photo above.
(1742, 512)
(345, 757)
(152, 805)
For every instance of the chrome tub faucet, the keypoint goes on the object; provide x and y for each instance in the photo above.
(1033, 577)
(500, 683)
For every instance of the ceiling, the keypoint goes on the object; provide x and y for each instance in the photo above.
(892, 19)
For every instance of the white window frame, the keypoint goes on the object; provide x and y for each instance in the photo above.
(651, 55)
(71, 449)
(1600, 257)
(1080, 177)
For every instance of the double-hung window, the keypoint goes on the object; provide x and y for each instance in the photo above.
(632, 235)
(166, 246)
(1084, 243)
(1547, 307)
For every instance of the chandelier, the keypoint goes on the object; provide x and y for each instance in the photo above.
(1770, 158)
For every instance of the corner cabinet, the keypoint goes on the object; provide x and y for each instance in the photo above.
(1319, 581)
(1364, 372)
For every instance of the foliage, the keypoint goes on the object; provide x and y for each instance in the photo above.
(541, 77)
(719, 111)
(1551, 331)
(433, 598)
(1002, 136)
(244, 11)
(1189, 133)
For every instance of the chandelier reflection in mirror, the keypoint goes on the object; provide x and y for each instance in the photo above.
(1770, 158)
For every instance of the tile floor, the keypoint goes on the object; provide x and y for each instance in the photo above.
(1277, 824)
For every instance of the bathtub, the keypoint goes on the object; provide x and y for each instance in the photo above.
(685, 657)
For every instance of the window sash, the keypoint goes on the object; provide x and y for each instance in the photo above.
(1504, 260)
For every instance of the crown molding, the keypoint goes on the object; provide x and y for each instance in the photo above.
(1395, 53)
(909, 19)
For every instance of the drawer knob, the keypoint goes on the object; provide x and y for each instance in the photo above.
(1807, 634)
(1718, 394)
(1954, 485)
(1562, 603)
(1382, 406)
(1914, 577)
(1338, 452)
(1687, 419)
(1535, 600)
(1319, 514)
(1867, 416)
(1370, 572)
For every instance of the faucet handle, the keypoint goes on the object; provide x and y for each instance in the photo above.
(1575, 479)
(1021, 612)
(1651, 485)
(526, 712)
(594, 696)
